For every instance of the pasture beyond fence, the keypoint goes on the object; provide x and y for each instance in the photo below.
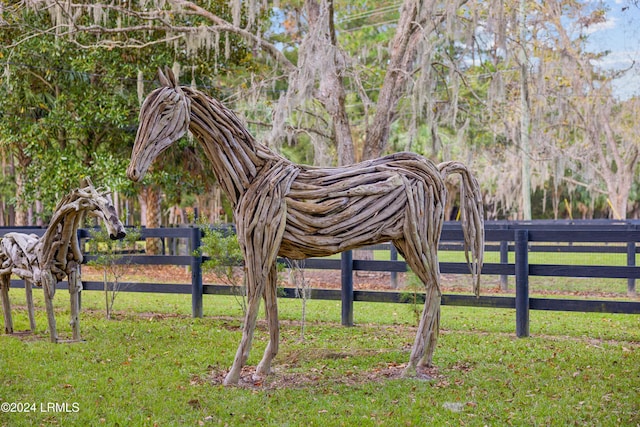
(520, 238)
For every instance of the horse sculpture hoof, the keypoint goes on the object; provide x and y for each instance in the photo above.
(231, 379)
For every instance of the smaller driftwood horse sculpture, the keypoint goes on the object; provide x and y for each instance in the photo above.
(46, 260)
(297, 211)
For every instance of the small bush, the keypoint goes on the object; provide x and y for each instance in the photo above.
(414, 295)
(224, 259)
(111, 257)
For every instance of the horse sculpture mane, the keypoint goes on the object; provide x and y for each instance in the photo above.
(46, 260)
(298, 211)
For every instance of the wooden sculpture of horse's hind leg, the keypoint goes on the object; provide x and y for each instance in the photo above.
(429, 326)
(422, 233)
(423, 221)
(28, 291)
(6, 304)
(5, 280)
(49, 290)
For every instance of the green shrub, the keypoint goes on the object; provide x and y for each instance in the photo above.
(111, 258)
(224, 259)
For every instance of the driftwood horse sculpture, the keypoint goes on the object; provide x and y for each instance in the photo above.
(297, 211)
(46, 260)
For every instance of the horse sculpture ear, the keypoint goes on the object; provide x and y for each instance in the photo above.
(164, 81)
(167, 78)
(86, 182)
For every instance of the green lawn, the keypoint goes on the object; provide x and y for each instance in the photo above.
(155, 365)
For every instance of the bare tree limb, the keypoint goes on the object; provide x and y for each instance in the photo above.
(223, 25)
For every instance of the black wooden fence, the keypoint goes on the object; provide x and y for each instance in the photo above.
(518, 237)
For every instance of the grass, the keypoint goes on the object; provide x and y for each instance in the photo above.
(156, 366)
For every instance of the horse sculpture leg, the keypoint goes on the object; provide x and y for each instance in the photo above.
(28, 291)
(254, 294)
(429, 326)
(271, 307)
(6, 304)
(75, 286)
(260, 223)
(49, 290)
(428, 329)
(260, 284)
(419, 245)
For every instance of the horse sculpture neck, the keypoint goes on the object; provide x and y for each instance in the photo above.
(62, 230)
(237, 158)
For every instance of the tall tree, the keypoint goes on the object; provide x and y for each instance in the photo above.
(63, 116)
(319, 68)
(603, 153)
(70, 99)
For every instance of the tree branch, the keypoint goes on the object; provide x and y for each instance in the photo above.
(225, 26)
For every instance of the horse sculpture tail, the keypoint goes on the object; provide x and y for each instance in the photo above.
(472, 217)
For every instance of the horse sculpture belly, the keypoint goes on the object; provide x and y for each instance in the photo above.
(333, 210)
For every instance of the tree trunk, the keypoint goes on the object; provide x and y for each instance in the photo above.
(417, 19)
(619, 188)
(150, 197)
(20, 211)
(615, 169)
(525, 119)
(39, 213)
(331, 92)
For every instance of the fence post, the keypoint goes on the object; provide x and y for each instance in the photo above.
(196, 273)
(79, 235)
(631, 262)
(504, 259)
(346, 269)
(522, 283)
(393, 255)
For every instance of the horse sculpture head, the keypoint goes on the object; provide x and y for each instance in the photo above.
(101, 207)
(88, 200)
(164, 118)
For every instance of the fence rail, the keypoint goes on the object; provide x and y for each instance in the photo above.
(520, 238)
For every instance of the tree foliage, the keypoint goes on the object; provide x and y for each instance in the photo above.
(327, 82)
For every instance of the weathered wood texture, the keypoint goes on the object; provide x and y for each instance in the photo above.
(297, 211)
(46, 260)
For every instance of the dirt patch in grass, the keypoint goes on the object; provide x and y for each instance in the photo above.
(282, 377)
